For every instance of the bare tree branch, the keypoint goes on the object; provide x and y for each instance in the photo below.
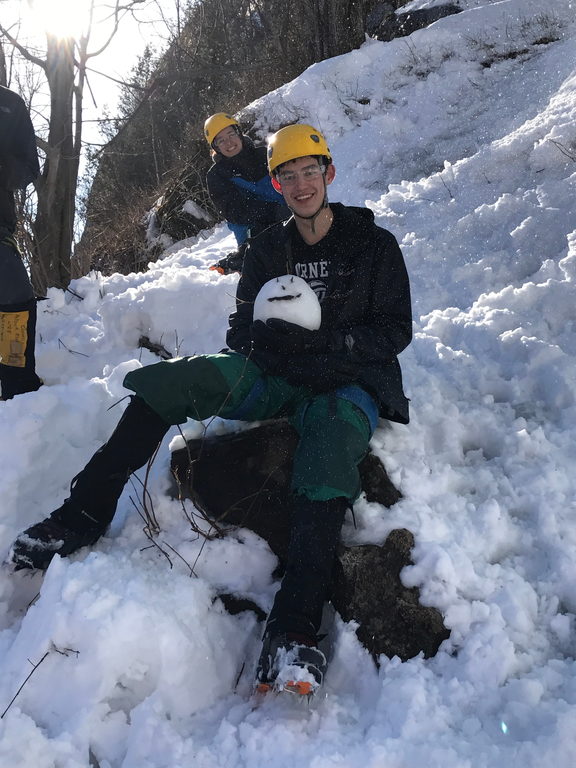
(21, 49)
(118, 14)
(124, 83)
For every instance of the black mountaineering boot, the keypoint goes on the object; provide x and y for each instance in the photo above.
(87, 512)
(290, 662)
(36, 547)
(290, 658)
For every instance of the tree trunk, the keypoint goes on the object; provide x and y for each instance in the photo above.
(3, 80)
(54, 223)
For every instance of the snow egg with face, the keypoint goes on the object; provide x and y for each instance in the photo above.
(288, 298)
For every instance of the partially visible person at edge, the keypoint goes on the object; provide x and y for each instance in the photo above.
(239, 186)
(18, 168)
(332, 384)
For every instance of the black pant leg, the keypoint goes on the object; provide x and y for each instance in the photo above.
(312, 550)
(96, 489)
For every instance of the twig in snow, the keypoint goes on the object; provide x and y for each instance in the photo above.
(564, 150)
(76, 295)
(72, 351)
(34, 668)
(157, 349)
(447, 187)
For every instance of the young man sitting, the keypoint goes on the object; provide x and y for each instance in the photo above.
(332, 384)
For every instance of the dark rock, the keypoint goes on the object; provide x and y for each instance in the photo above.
(235, 605)
(367, 589)
(378, 16)
(402, 24)
(173, 219)
(243, 479)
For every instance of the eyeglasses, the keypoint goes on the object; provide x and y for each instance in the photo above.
(287, 178)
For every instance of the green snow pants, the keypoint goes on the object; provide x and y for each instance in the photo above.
(334, 428)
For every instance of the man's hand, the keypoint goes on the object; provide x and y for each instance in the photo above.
(318, 372)
(287, 338)
(229, 264)
(219, 267)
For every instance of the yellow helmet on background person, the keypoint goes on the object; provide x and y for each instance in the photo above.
(216, 123)
(294, 141)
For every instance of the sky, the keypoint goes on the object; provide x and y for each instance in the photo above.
(462, 140)
(148, 25)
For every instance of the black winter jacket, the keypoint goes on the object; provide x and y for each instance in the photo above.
(18, 156)
(366, 310)
(236, 204)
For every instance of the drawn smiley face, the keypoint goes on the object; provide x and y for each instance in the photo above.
(288, 298)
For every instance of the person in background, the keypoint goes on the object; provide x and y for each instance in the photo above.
(239, 186)
(18, 168)
(332, 384)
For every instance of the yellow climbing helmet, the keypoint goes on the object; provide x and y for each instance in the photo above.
(216, 123)
(295, 141)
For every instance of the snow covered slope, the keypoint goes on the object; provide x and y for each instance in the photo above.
(462, 139)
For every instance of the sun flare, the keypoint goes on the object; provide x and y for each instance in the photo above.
(62, 18)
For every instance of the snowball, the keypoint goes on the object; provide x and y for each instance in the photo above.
(288, 298)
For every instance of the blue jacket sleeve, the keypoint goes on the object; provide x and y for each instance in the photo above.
(240, 205)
